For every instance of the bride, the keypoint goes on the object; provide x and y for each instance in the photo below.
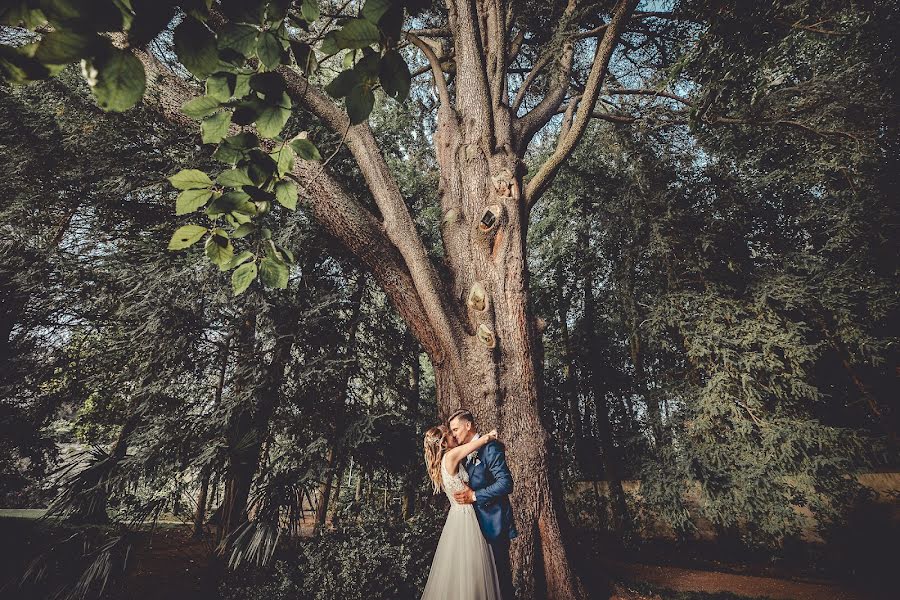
(463, 566)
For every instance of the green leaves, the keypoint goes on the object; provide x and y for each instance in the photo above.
(189, 179)
(64, 47)
(305, 57)
(218, 248)
(190, 200)
(241, 85)
(195, 46)
(360, 102)
(359, 97)
(200, 107)
(394, 75)
(309, 10)
(117, 80)
(273, 273)
(357, 33)
(341, 85)
(286, 194)
(231, 202)
(268, 48)
(305, 149)
(284, 160)
(356, 84)
(240, 38)
(220, 86)
(234, 178)
(257, 179)
(214, 128)
(329, 44)
(18, 67)
(242, 277)
(233, 148)
(272, 117)
(246, 11)
(374, 9)
(268, 84)
(186, 236)
(196, 185)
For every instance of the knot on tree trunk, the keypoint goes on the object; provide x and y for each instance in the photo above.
(487, 337)
(477, 299)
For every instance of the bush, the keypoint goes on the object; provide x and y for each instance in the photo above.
(373, 558)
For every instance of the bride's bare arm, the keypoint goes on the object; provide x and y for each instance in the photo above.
(455, 455)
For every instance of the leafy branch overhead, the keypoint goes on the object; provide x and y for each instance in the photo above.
(236, 53)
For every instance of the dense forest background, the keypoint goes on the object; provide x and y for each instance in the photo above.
(720, 313)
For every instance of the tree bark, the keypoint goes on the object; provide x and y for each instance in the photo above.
(336, 495)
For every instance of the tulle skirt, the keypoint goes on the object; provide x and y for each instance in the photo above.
(463, 566)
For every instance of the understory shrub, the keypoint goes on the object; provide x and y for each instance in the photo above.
(373, 557)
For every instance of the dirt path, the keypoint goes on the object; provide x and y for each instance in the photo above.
(689, 580)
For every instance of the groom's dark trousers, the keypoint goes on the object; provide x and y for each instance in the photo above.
(489, 476)
(500, 546)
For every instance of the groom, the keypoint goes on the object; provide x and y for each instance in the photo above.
(491, 484)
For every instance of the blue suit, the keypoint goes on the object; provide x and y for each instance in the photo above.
(489, 476)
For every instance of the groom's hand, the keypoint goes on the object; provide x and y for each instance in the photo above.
(466, 496)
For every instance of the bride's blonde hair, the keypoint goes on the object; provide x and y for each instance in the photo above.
(435, 445)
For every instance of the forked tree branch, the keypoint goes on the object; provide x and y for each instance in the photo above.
(343, 217)
(529, 124)
(397, 221)
(566, 144)
(471, 69)
(439, 81)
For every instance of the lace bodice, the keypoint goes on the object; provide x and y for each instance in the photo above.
(454, 483)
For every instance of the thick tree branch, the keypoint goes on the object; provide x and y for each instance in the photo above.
(566, 144)
(473, 98)
(529, 78)
(439, 81)
(529, 124)
(683, 118)
(342, 216)
(397, 221)
(498, 51)
(532, 121)
(439, 32)
(515, 45)
(647, 92)
(361, 234)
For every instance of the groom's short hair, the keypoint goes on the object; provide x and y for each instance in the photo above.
(463, 414)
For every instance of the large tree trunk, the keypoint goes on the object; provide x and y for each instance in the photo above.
(200, 508)
(500, 382)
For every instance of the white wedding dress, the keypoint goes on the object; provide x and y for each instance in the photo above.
(463, 566)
